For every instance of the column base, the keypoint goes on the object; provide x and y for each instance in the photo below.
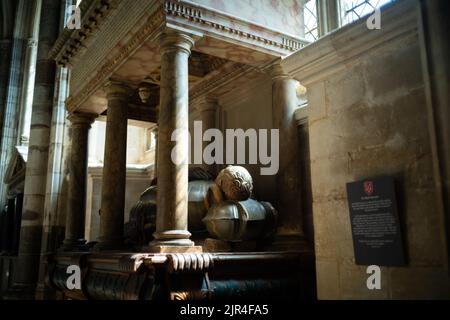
(172, 238)
(172, 241)
(172, 249)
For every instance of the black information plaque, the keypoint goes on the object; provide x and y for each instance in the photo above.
(375, 224)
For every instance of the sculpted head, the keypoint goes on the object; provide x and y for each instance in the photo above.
(235, 182)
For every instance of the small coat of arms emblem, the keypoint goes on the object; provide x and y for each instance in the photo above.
(368, 187)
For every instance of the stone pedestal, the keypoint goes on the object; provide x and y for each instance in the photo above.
(172, 196)
(78, 164)
(114, 168)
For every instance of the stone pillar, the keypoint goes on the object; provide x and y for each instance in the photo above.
(78, 164)
(8, 16)
(114, 168)
(26, 95)
(172, 196)
(155, 168)
(284, 104)
(435, 48)
(36, 169)
(55, 199)
(207, 112)
(26, 12)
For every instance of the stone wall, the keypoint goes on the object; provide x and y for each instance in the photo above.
(138, 179)
(136, 141)
(248, 107)
(139, 171)
(367, 117)
(279, 15)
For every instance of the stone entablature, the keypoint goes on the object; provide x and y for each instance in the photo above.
(129, 32)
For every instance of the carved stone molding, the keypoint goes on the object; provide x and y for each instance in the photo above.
(206, 103)
(188, 262)
(110, 65)
(117, 90)
(72, 43)
(176, 41)
(81, 119)
(224, 76)
(197, 14)
(189, 295)
(132, 263)
(176, 8)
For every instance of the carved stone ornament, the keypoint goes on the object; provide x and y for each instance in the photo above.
(235, 182)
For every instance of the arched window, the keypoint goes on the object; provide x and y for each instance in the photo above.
(310, 20)
(353, 10)
(323, 16)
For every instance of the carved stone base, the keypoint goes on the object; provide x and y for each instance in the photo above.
(173, 249)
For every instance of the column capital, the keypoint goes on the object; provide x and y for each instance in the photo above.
(80, 119)
(176, 41)
(277, 72)
(116, 90)
(206, 104)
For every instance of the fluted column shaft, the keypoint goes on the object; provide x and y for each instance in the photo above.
(78, 164)
(114, 168)
(172, 196)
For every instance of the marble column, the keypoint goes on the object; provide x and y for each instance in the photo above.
(172, 196)
(284, 104)
(37, 164)
(114, 168)
(78, 164)
(206, 108)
